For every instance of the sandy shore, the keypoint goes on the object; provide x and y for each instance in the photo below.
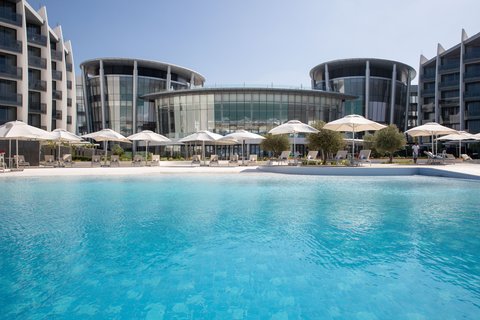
(459, 170)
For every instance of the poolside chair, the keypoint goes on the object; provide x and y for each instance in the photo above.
(312, 157)
(434, 159)
(284, 157)
(3, 165)
(67, 160)
(364, 156)
(196, 159)
(20, 160)
(233, 160)
(49, 160)
(252, 160)
(115, 161)
(213, 160)
(137, 160)
(96, 161)
(466, 157)
(449, 158)
(155, 160)
(340, 156)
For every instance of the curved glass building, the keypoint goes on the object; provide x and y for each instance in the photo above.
(225, 110)
(113, 88)
(382, 87)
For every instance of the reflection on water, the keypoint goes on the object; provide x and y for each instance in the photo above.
(240, 246)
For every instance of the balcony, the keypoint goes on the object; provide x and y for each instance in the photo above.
(38, 108)
(449, 66)
(69, 102)
(428, 76)
(472, 75)
(472, 95)
(69, 67)
(38, 85)
(11, 45)
(37, 39)
(450, 83)
(56, 94)
(10, 17)
(37, 62)
(57, 75)
(57, 55)
(69, 84)
(11, 72)
(11, 99)
(428, 92)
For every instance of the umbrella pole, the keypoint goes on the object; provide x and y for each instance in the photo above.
(146, 152)
(17, 152)
(105, 146)
(59, 153)
(353, 146)
(242, 152)
(203, 151)
(293, 146)
(10, 153)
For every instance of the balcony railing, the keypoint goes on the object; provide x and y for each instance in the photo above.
(38, 108)
(11, 17)
(57, 75)
(37, 62)
(39, 85)
(472, 94)
(450, 83)
(56, 94)
(428, 91)
(69, 102)
(12, 99)
(471, 74)
(428, 76)
(449, 66)
(57, 55)
(69, 84)
(11, 45)
(11, 72)
(37, 39)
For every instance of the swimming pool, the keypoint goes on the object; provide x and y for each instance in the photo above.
(240, 246)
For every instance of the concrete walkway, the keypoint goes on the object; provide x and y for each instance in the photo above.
(460, 170)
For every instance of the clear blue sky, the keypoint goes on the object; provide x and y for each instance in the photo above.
(260, 41)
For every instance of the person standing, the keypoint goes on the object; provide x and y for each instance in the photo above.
(415, 150)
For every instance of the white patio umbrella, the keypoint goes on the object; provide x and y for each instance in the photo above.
(62, 135)
(106, 135)
(202, 136)
(18, 130)
(353, 123)
(148, 136)
(461, 135)
(293, 127)
(241, 136)
(430, 129)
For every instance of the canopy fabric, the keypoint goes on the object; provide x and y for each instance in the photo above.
(293, 126)
(18, 130)
(429, 129)
(201, 136)
(65, 136)
(106, 135)
(353, 123)
(148, 135)
(461, 135)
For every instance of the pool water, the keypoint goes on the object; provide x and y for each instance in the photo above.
(241, 246)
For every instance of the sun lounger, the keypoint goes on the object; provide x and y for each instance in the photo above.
(283, 159)
(364, 156)
(49, 160)
(213, 160)
(20, 160)
(340, 156)
(115, 161)
(3, 166)
(434, 159)
(312, 157)
(252, 160)
(196, 159)
(233, 160)
(466, 157)
(155, 160)
(67, 160)
(137, 160)
(96, 161)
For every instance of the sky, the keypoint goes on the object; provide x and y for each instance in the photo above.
(260, 42)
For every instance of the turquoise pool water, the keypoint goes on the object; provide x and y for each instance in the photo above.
(240, 247)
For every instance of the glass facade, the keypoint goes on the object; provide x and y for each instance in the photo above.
(125, 81)
(225, 111)
(350, 77)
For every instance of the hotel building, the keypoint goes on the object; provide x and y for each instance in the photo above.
(113, 90)
(37, 79)
(449, 86)
(382, 87)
